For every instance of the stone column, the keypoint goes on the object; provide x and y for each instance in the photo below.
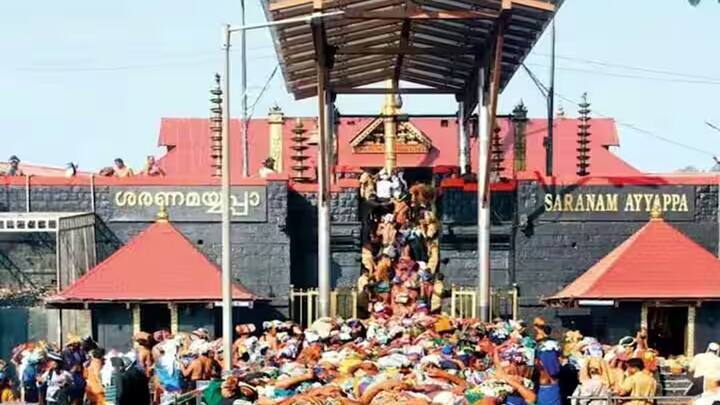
(276, 119)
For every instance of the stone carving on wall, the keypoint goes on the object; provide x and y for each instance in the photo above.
(409, 139)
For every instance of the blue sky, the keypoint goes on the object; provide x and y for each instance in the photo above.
(88, 81)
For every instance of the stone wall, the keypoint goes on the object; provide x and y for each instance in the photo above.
(551, 249)
(260, 251)
(457, 209)
(345, 237)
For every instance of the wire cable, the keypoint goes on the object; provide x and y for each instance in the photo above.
(630, 67)
(262, 92)
(630, 76)
(641, 130)
(625, 124)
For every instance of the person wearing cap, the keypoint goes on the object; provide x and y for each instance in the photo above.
(703, 364)
(268, 168)
(120, 170)
(57, 381)
(14, 169)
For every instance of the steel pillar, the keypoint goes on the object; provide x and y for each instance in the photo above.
(463, 157)
(483, 225)
(325, 111)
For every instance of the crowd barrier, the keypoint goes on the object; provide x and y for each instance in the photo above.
(614, 399)
(343, 303)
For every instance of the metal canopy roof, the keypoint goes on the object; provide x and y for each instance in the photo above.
(439, 44)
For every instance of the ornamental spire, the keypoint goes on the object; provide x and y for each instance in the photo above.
(216, 119)
(583, 149)
(497, 154)
(519, 121)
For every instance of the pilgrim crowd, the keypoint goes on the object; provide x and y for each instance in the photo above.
(416, 358)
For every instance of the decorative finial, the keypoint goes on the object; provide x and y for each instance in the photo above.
(216, 119)
(583, 141)
(162, 216)
(519, 113)
(656, 213)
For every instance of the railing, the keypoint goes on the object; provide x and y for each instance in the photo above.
(614, 399)
(343, 303)
(463, 302)
(304, 304)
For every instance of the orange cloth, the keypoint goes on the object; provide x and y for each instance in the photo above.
(7, 395)
(94, 388)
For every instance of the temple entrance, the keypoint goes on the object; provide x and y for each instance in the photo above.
(414, 175)
(154, 317)
(667, 329)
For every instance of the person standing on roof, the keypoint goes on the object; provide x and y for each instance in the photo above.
(120, 170)
(14, 169)
(152, 168)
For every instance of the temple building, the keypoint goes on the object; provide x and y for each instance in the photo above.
(157, 281)
(561, 243)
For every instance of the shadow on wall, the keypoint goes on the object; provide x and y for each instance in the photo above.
(302, 230)
(105, 240)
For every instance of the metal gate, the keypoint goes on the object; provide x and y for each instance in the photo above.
(343, 303)
(463, 302)
(304, 304)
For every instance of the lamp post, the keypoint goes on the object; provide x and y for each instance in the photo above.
(227, 304)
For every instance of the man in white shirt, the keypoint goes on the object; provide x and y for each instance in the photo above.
(384, 187)
(702, 365)
(711, 395)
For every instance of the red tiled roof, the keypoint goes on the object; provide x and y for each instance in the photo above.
(159, 264)
(603, 162)
(188, 142)
(657, 262)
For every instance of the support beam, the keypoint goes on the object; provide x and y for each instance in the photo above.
(136, 318)
(174, 321)
(483, 198)
(419, 14)
(352, 90)
(283, 4)
(409, 50)
(404, 38)
(323, 201)
(496, 73)
(536, 4)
